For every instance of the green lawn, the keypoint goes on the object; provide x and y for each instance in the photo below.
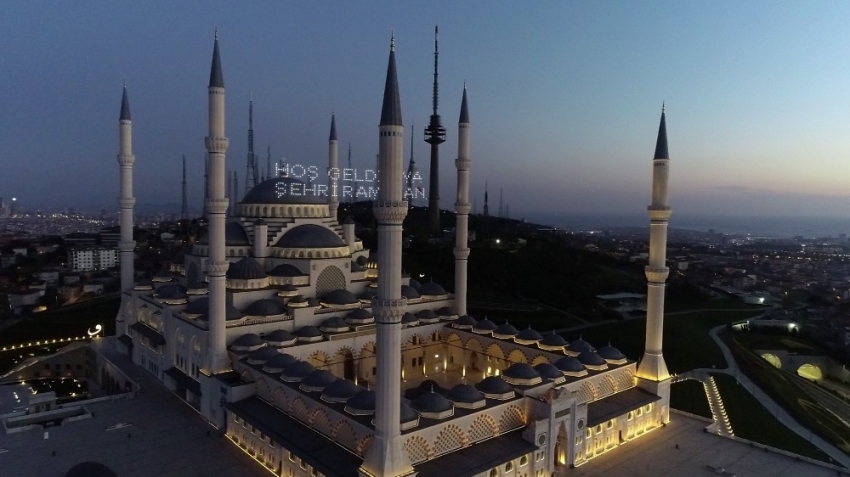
(65, 321)
(689, 396)
(751, 420)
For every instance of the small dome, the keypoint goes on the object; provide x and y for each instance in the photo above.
(308, 333)
(427, 316)
(266, 307)
(408, 418)
(445, 311)
(505, 330)
(197, 307)
(90, 469)
(261, 355)
(279, 363)
(356, 267)
(549, 371)
(280, 338)
(431, 289)
(610, 353)
(282, 190)
(529, 334)
(312, 301)
(248, 340)
(297, 371)
(589, 358)
(231, 313)
(286, 270)
(580, 346)
(409, 292)
(465, 395)
(234, 236)
(465, 322)
(494, 387)
(433, 405)
(298, 299)
(310, 236)
(362, 403)
(334, 324)
(366, 296)
(318, 380)
(172, 291)
(180, 258)
(409, 319)
(360, 316)
(415, 284)
(484, 326)
(553, 340)
(340, 391)
(339, 297)
(522, 374)
(248, 268)
(569, 364)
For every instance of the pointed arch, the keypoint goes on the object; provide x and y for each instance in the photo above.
(449, 439)
(539, 359)
(484, 427)
(517, 356)
(417, 449)
(512, 418)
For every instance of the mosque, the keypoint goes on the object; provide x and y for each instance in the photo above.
(319, 358)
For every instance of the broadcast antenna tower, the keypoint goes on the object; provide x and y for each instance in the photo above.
(184, 209)
(411, 171)
(269, 163)
(251, 178)
(435, 134)
(350, 168)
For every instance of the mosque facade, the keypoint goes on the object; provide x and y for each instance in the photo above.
(317, 357)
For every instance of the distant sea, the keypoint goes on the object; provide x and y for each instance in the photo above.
(763, 226)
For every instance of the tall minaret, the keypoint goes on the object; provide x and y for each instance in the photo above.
(333, 170)
(216, 143)
(652, 371)
(235, 197)
(251, 173)
(184, 208)
(269, 163)
(435, 134)
(206, 181)
(386, 457)
(486, 201)
(354, 187)
(126, 201)
(462, 206)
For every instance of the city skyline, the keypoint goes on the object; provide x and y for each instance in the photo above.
(565, 95)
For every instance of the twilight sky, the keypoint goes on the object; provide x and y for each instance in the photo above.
(564, 97)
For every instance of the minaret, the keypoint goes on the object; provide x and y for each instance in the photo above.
(216, 143)
(228, 191)
(463, 163)
(206, 181)
(251, 173)
(333, 170)
(184, 209)
(435, 134)
(235, 197)
(269, 163)
(126, 202)
(386, 457)
(652, 371)
(486, 199)
(354, 188)
(411, 172)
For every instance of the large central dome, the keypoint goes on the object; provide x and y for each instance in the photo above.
(284, 190)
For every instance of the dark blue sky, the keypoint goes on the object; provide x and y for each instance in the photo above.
(564, 96)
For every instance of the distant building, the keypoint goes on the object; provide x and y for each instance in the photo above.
(84, 259)
(80, 238)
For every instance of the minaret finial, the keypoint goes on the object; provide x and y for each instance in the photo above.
(216, 32)
(392, 40)
(662, 107)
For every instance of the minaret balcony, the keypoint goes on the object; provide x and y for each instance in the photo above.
(126, 160)
(462, 208)
(659, 212)
(391, 212)
(388, 311)
(216, 145)
(126, 202)
(463, 163)
(657, 274)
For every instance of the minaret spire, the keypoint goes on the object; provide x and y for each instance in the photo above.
(251, 177)
(486, 201)
(411, 173)
(126, 203)
(652, 371)
(333, 170)
(386, 457)
(269, 162)
(216, 143)
(435, 134)
(463, 163)
(184, 209)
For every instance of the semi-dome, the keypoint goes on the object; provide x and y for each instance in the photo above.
(361, 404)
(432, 405)
(409, 292)
(334, 324)
(611, 354)
(494, 387)
(521, 374)
(261, 355)
(484, 327)
(340, 391)
(570, 366)
(505, 331)
(310, 236)
(308, 334)
(197, 307)
(286, 270)
(280, 338)
(592, 360)
(234, 236)
(464, 322)
(282, 190)
(266, 307)
(360, 316)
(297, 371)
(247, 342)
(528, 336)
(278, 363)
(431, 289)
(248, 268)
(466, 396)
(339, 297)
(317, 380)
(549, 371)
(409, 319)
